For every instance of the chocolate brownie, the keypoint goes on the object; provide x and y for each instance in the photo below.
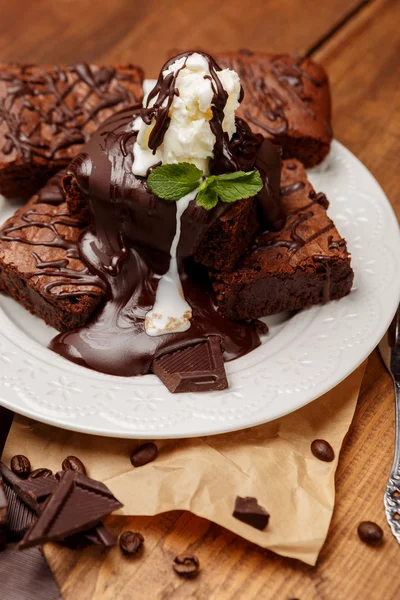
(216, 238)
(305, 263)
(223, 243)
(287, 99)
(47, 113)
(40, 265)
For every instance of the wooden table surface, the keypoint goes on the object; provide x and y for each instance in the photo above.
(359, 44)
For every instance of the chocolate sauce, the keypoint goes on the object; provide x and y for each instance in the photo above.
(301, 215)
(127, 247)
(335, 244)
(325, 261)
(286, 190)
(128, 241)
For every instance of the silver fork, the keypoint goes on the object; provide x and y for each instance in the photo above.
(389, 349)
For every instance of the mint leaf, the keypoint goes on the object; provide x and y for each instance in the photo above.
(173, 181)
(207, 197)
(231, 187)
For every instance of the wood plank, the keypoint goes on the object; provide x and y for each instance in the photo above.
(142, 32)
(364, 68)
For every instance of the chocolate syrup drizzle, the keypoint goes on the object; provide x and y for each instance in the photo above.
(296, 242)
(227, 157)
(62, 110)
(63, 274)
(128, 241)
(271, 101)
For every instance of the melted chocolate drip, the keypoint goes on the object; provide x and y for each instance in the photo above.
(335, 244)
(325, 261)
(57, 85)
(286, 190)
(127, 246)
(228, 155)
(128, 242)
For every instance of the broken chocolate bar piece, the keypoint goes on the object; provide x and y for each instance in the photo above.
(20, 516)
(28, 579)
(77, 504)
(250, 512)
(197, 368)
(32, 492)
(3, 515)
(26, 499)
(6, 419)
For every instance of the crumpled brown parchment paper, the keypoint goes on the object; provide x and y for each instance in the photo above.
(271, 462)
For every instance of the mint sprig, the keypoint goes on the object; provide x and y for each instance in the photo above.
(173, 181)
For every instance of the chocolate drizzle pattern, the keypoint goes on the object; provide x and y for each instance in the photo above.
(39, 97)
(67, 281)
(239, 155)
(293, 221)
(272, 86)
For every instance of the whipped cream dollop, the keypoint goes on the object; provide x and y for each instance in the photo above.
(188, 137)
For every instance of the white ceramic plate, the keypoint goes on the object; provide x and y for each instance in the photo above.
(303, 356)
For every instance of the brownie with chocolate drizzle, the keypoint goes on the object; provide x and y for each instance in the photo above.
(40, 265)
(305, 263)
(287, 99)
(47, 113)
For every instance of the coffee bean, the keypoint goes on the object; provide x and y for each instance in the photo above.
(72, 463)
(21, 466)
(322, 450)
(131, 543)
(40, 473)
(370, 533)
(144, 454)
(186, 565)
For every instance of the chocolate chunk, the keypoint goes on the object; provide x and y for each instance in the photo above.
(131, 543)
(33, 492)
(3, 514)
(186, 565)
(370, 533)
(144, 454)
(20, 515)
(77, 504)
(72, 463)
(197, 368)
(6, 419)
(41, 473)
(322, 450)
(250, 512)
(28, 577)
(21, 466)
(98, 536)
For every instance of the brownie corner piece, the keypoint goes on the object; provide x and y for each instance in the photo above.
(48, 112)
(304, 264)
(287, 99)
(229, 237)
(40, 265)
